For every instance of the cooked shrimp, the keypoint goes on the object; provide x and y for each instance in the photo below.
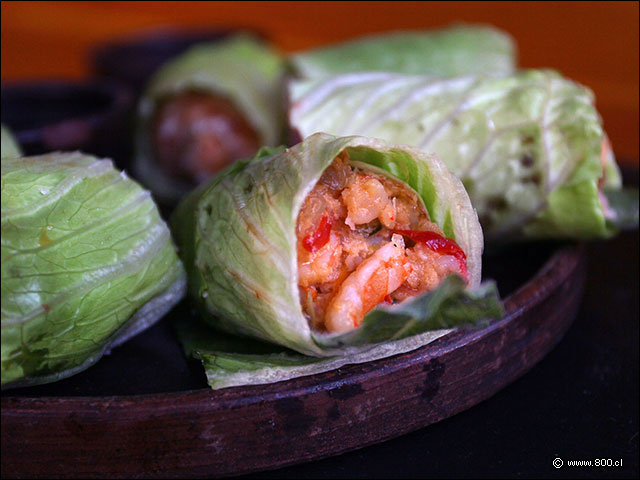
(428, 268)
(351, 253)
(374, 279)
(321, 266)
(356, 247)
(366, 198)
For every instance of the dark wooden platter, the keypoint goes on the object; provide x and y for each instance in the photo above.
(132, 60)
(49, 115)
(174, 426)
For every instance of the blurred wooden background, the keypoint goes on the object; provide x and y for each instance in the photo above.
(595, 43)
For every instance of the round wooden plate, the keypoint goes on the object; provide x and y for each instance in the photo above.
(133, 59)
(202, 432)
(49, 115)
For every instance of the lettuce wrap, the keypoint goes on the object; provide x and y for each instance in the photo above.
(87, 263)
(237, 236)
(452, 51)
(232, 96)
(529, 147)
(10, 147)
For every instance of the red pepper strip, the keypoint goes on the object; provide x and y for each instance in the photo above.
(438, 244)
(320, 237)
(388, 299)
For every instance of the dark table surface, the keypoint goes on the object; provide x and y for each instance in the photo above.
(579, 403)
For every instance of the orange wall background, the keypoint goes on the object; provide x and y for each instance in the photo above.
(594, 43)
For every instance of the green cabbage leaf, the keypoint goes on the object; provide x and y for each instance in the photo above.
(10, 147)
(527, 146)
(231, 360)
(87, 263)
(452, 51)
(236, 236)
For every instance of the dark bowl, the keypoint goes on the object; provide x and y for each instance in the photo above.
(132, 60)
(55, 115)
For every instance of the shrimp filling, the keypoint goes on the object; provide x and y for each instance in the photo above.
(364, 239)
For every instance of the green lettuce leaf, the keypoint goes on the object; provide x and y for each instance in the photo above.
(10, 147)
(527, 146)
(452, 51)
(236, 236)
(230, 360)
(87, 263)
(241, 69)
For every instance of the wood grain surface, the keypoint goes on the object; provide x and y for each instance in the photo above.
(595, 43)
(245, 429)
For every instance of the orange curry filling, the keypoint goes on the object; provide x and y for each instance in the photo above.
(364, 239)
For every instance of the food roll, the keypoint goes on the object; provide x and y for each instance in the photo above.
(87, 263)
(529, 147)
(348, 248)
(210, 106)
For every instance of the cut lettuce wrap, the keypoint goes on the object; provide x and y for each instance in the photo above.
(452, 51)
(10, 147)
(239, 239)
(87, 263)
(206, 108)
(529, 147)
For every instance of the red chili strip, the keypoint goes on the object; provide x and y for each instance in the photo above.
(438, 244)
(320, 237)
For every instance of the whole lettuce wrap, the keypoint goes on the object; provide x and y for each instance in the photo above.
(87, 263)
(236, 236)
(10, 147)
(529, 147)
(456, 50)
(241, 69)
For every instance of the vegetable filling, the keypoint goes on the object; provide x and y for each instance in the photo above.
(364, 239)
